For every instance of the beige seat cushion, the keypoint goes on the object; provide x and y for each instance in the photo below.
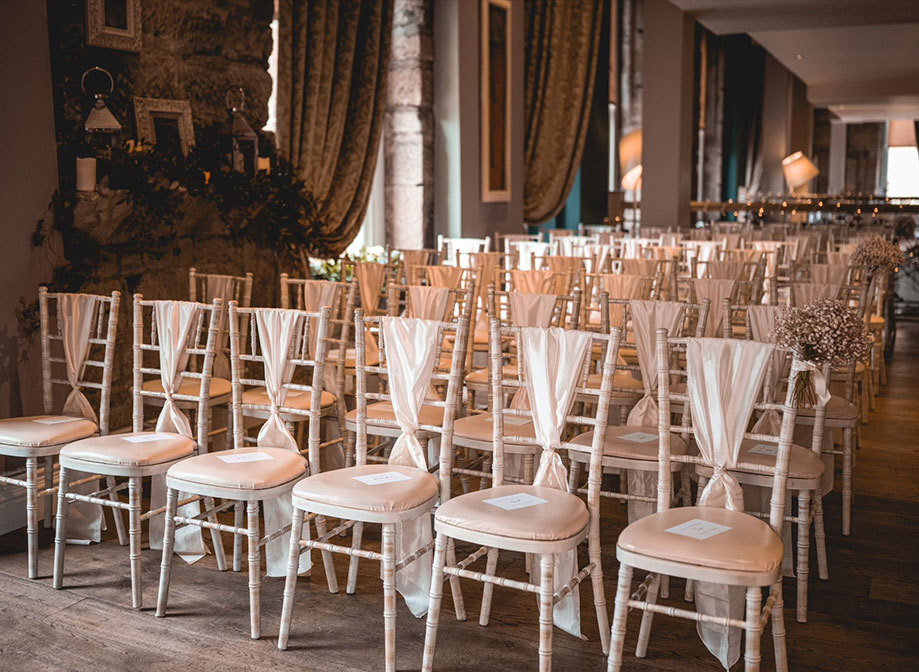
(750, 545)
(116, 449)
(219, 387)
(33, 432)
(295, 398)
(620, 379)
(563, 516)
(430, 415)
(876, 322)
(480, 427)
(480, 376)
(837, 407)
(803, 463)
(284, 466)
(614, 446)
(371, 359)
(339, 488)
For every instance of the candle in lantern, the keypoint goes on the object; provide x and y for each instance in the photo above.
(86, 174)
(264, 163)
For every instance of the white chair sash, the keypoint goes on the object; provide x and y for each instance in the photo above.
(639, 267)
(411, 347)
(647, 318)
(725, 269)
(317, 294)
(553, 361)
(716, 291)
(76, 314)
(370, 278)
(811, 292)
(533, 282)
(174, 322)
(531, 310)
(487, 264)
(276, 331)
(724, 379)
(220, 287)
(444, 276)
(428, 303)
(624, 286)
(566, 269)
(527, 251)
(829, 274)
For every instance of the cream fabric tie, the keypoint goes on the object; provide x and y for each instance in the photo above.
(566, 270)
(220, 287)
(716, 291)
(487, 264)
(531, 310)
(724, 380)
(811, 292)
(444, 276)
(174, 323)
(725, 270)
(533, 282)
(411, 346)
(76, 314)
(553, 361)
(370, 281)
(428, 303)
(829, 274)
(624, 287)
(639, 267)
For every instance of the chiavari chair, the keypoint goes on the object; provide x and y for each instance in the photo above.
(398, 495)
(178, 332)
(77, 347)
(543, 519)
(280, 348)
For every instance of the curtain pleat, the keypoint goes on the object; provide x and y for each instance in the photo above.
(562, 41)
(332, 68)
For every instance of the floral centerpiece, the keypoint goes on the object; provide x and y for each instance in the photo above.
(875, 254)
(823, 332)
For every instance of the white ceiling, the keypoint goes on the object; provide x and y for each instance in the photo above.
(860, 58)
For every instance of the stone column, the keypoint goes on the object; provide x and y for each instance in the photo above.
(409, 137)
(836, 180)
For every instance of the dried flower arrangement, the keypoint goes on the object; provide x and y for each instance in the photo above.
(823, 332)
(875, 253)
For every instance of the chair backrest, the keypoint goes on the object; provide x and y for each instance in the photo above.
(693, 317)
(303, 360)
(204, 287)
(452, 378)
(100, 327)
(196, 328)
(673, 364)
(450, 247)
(566, 313)
(507, 415)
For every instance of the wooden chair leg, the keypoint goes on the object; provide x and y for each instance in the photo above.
(456, 590)
(778, 629)
(574, 475)
(753, 630)
(488, 589)
(49, 498)
(803, 570)
(620, 615)
(647, 619)
(60, 529)
(350, 438)
(134, 491)
(596, 578)
(255, 579)
(546, 594)
(238, 510)
(216, 538)
(169, 535)
(686, 487)
(357, 532)
(389, 596)
(290, 583)
(327, 562)
(820, 538)
(32, 515)
(665, 587)
(110, 483)
(434, 601)
(847, 454)
(485, 481)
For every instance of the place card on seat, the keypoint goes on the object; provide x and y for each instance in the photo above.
(146, 438)
(257, 456)
(382, 477)
(522, 500)
(56, 421)
(698, 529)
(765, 449)
(639, 437)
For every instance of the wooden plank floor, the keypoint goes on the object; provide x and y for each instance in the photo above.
(866, 617)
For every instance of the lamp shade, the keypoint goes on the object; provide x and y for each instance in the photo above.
(630, 150)
(798, 169)
(902, 133)
(631, 181)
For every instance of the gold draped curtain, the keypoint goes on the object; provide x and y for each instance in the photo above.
(562, 41)
(333, 61)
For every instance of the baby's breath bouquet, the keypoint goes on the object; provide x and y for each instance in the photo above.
(823, 332)
(875, 253)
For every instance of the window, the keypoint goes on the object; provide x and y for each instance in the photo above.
(902, 172)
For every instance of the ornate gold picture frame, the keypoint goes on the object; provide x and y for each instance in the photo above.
(171, 117)
(114, 24)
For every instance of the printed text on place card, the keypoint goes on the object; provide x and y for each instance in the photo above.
(764, 449)
(512, 502)
(257, 456)
(698, 529)
(382, 477)
(146, 438)
(55, 421)
(639, 437)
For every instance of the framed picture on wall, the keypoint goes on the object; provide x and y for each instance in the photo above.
(495, 85)
(165, 123)
(114, 24)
